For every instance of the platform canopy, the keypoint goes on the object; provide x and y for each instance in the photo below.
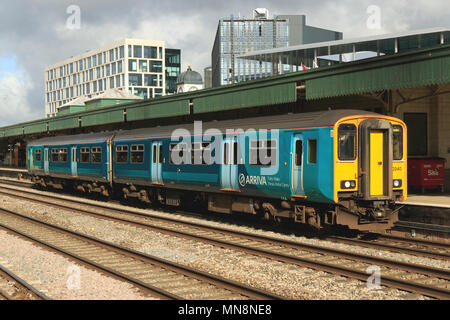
(290, 59)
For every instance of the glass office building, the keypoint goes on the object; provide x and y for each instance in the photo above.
(133, 65)
(173, 69)
(238, 36)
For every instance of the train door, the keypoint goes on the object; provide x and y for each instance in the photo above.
(156, 161)
(297, 165)
(376, 163)
(46, 166)
(376, 153)
(229, 170)
(74, 163)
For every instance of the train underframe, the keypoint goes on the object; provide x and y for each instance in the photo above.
(362, 215)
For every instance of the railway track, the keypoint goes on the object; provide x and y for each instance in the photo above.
(12, 287)
(417, 247)
(162, 278)
(406, 276)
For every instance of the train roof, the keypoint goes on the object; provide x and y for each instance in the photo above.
(94, 137)
(298, 120)
(286, 121)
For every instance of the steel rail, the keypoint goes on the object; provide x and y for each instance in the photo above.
(23, 284)
(439, 273)
(233, 286)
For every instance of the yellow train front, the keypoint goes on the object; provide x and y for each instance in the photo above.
(370, 171)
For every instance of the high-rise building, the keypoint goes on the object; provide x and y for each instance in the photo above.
(173, 69)
(237, 36)
(134, 65)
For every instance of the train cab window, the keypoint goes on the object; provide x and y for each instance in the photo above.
(122, 154)
(200, 153)
(347, 142)
(96, 155)
(178, 153)
(37, 155)
(62, 155)
(55, 153)
(398, 142)
(263, 152)
(137, 154)
(84, 155)
(298, 152)
(312, 151)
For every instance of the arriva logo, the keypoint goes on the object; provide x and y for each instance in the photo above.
(253, 180)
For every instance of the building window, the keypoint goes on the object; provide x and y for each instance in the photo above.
(122, 53)
(111, 82)
(96, 155)
(113, 68)
(100, 58)
(156, 66)
(108, 70)
(117, 81)
(119, 67)
(130, 51)
(150, 52)
(137, 51)
(111, 55)
(94, 61)
(141, 92)
(135, 79)
(84, 155)
(122, 154)
(100, 85)
(142, 65)
(150, 80)
(132, 65)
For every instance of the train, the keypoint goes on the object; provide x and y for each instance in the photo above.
(322, 169)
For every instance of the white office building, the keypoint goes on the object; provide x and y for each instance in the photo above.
(133, 65)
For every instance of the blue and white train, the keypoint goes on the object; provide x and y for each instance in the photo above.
(343, 167)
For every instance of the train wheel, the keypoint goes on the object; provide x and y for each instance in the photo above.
(270, 214)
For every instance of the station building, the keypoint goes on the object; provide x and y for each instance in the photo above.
(140, 67)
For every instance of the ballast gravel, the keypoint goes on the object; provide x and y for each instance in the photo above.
(58, 277)
(288, 280)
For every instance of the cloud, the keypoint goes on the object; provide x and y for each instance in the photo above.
(14, 106)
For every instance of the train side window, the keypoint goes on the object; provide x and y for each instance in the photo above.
(200, 153)
(347, 142)
(37, 155)
(137, 154)
(263, 152)
(298, 152)
(122, 154)
(84, 155)
(178, 153)
(398, 142)
(62, 155)
(312, 151)
(96, 155)
(55, 153)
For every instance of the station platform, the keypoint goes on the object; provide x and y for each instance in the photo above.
(13, 172)
(439, 200)
(10, 169)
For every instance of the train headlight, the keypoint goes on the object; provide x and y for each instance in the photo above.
(348, 184)
(397, 183)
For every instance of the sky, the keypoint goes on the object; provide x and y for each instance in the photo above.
(35, 33)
